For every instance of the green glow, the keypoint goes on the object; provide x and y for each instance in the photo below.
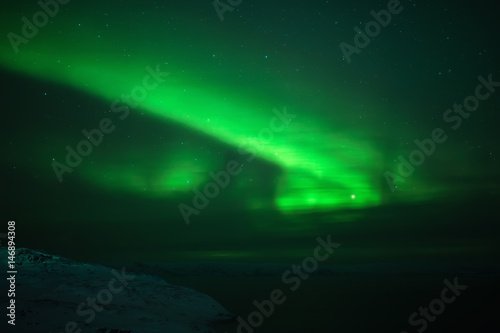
(323, 167)
(172, 175)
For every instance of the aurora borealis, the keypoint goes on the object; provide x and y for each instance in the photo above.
(337, 128)
(228, 146)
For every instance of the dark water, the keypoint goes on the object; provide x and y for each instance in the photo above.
(348, 304)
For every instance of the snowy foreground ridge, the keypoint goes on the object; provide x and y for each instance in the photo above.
(54, 294)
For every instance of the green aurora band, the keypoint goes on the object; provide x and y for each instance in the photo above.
(324, 168)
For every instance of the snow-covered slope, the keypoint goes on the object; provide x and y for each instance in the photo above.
(54, 294)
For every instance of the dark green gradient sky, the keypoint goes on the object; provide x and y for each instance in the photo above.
(323, 174)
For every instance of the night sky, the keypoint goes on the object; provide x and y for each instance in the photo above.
(318, 141)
